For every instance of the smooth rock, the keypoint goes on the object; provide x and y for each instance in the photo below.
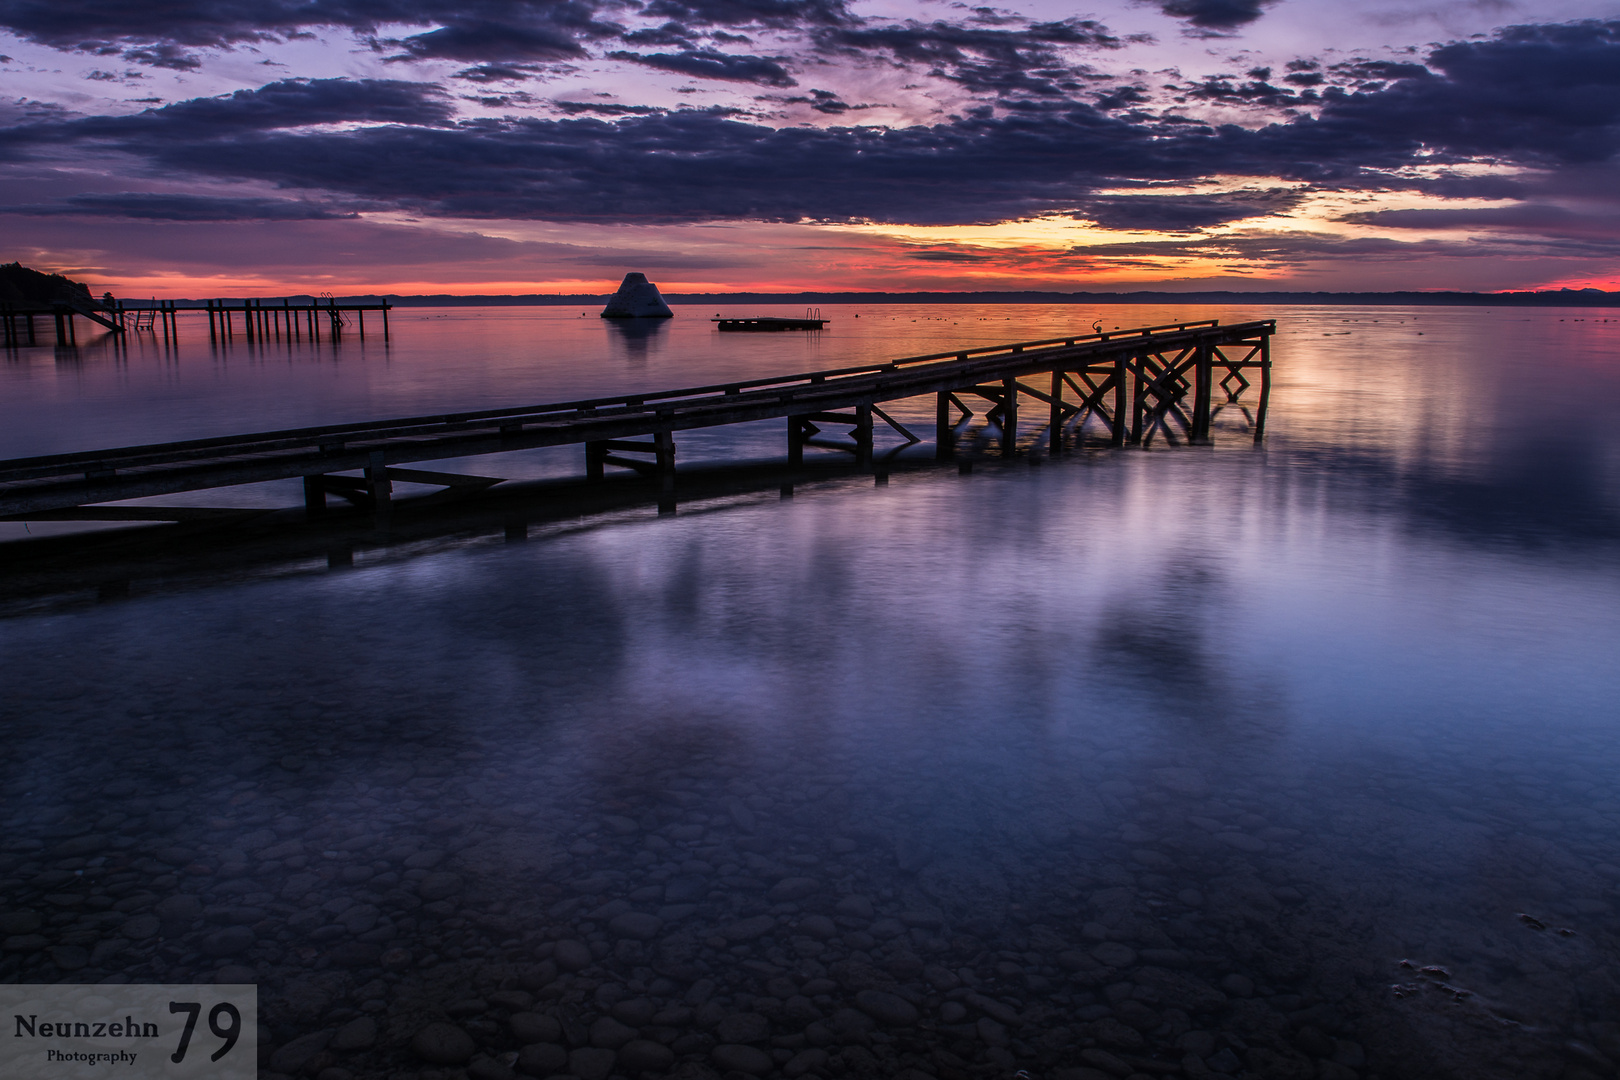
(643, 1055)
(486, 1068)
(807, 1061)
(1114, 955)
(794, 888)
(443, 1044)
(572, 955)
(855, 907)
(591, 1063)
(69, 957)
(888, 1009)
(355, 1035)
(749, 929)
(743, 1027)
(179, 908)
(292, 1058)
(743, 1059)
(1242, 841)
(438, 886)
(636, 926)
(232, 941)
(26, 922)
(608, 1034)
(529, 1027)
(542, 1059)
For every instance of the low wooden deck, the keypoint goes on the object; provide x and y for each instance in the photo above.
(1132, 383)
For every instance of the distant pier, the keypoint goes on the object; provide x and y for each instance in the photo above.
(258, 320)
(1131, 384)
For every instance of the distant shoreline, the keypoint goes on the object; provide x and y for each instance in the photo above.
(1545, 298)
(1559, 298)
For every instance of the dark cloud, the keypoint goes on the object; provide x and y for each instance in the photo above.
(81, 24)
(164, 55)
(779, 14)
(1547, 96)
(557, 36)
(1184, 213)
(711, 64)
(486, 73)
(1009, 63)
(1541, 219)
(289, 103)
(601, 108)
(671, 33)
(1533, 94)
(1215, 15)
(151, 206)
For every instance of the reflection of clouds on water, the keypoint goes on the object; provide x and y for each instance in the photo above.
(636, 339)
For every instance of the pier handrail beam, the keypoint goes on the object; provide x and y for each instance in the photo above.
(80, 478)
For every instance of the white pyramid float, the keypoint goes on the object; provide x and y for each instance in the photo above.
(637, 298)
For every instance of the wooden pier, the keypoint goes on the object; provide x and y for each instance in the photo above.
(258, 320)
(1129, 384)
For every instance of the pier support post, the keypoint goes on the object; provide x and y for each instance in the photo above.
(382, 488)
(1054, 432)
(795, 441)
(1138, 397)
(595, 456)
(1009, 417)
(944, 429)
(863, 433)
(314, 497)
(1203, 383)
(665, 443)
(1265, 388)
(1121, 372)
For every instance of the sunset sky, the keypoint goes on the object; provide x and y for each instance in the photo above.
(182, 148)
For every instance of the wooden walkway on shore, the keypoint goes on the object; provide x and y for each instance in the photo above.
(1131, 382)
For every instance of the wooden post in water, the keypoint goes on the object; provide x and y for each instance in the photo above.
(665, 443)
(1265, 388)
(385, 318)
(314, 497)
(944, 429)
(1009, 417)
(795, 441)
(1054, 439)
(1138, 397)
(1121, 369)
(1203, 383)
(595, 454)
(863, 433)
(382, 488)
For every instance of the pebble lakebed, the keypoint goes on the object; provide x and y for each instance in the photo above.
(692, 905)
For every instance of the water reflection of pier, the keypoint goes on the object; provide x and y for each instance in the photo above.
(1132, 385)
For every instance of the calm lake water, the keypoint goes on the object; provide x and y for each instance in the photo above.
(1297, 761)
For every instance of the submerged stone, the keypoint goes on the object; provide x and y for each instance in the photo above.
(637, 298)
